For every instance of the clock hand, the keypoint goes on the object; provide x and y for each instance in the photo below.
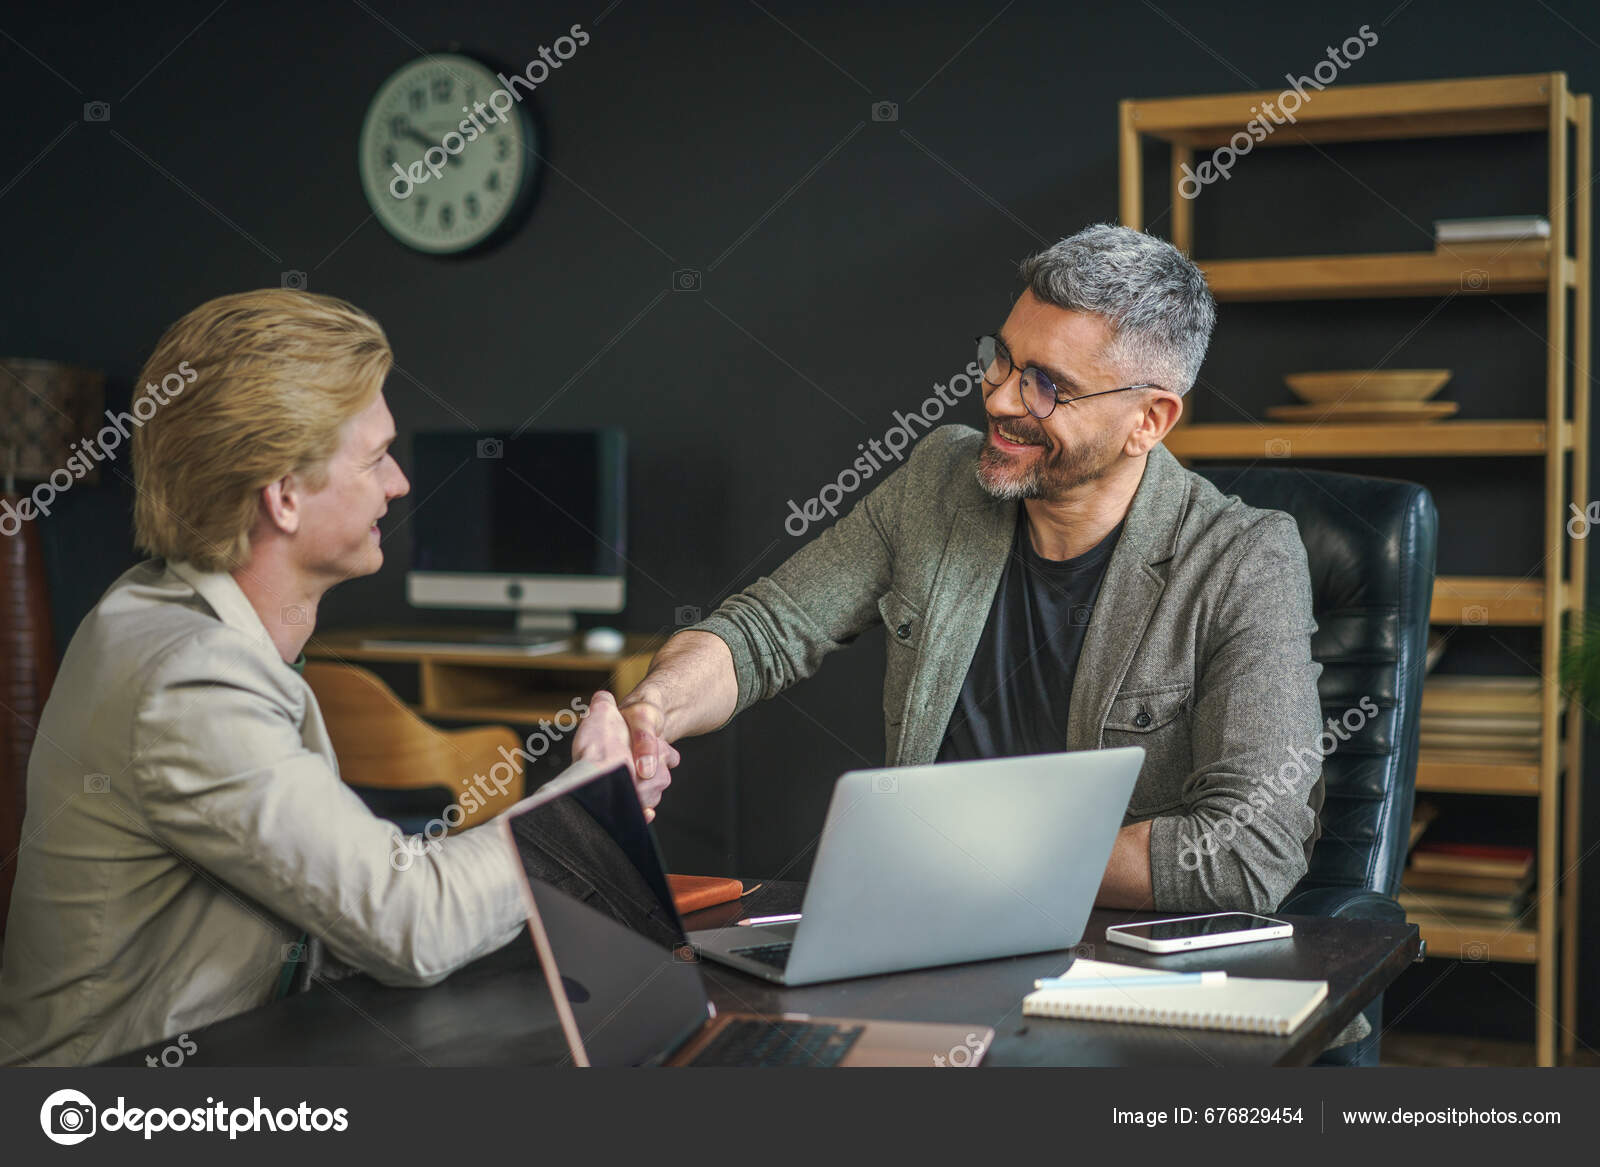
(417, 135)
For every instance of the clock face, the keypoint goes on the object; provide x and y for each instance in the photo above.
(448, 157)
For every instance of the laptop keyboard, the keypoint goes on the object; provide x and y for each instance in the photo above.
(759, 1042)
(777, 955)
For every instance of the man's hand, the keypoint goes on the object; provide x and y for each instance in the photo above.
(605, 738)
(691, 688)
(652, 756)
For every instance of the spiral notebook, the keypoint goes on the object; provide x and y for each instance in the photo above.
(1242, 1005)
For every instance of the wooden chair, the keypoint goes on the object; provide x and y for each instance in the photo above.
(386, 751)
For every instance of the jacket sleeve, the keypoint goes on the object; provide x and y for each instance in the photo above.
(1239, 841)
(223, 779)
(821, 598)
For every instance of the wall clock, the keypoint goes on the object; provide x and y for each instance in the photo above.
(449, 158)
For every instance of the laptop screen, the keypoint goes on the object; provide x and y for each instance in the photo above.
(614, 937)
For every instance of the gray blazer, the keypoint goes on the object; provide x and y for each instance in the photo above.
(1199, 650)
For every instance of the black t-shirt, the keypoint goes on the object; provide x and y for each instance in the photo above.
(1018, 688)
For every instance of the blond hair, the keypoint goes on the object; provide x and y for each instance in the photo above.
(274, 375)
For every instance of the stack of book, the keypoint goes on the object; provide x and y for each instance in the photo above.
(1481, 719)
(1495, 229)
(1487, 880)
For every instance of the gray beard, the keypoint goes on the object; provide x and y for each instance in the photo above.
(1049, 476)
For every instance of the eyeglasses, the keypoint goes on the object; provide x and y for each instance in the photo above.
(1039, 393)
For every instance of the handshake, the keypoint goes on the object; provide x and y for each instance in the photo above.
(691, 688)
(633, 735)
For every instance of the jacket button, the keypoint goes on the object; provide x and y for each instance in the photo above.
(904, 631)
(1144, 718)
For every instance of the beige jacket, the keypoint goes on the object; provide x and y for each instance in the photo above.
(186, 823)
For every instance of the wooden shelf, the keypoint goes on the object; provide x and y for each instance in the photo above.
(1470, 272)
(1487, 599)
(1433, 439)
(1465, 772)
(1533, 103)
(1355, 113)
(1457, 939)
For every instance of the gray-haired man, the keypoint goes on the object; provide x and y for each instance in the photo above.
(1123, 602)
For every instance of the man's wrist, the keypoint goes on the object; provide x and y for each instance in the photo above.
(646, 693)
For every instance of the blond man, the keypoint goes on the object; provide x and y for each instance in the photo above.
(186, 823)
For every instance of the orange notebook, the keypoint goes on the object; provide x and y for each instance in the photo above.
(691, 893)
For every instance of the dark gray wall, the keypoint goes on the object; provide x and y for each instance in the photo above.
(846, 263)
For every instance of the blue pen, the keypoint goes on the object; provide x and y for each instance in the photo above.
(1206, 979)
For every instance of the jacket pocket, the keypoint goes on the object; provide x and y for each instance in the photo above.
(1157, 719)
(902, 622)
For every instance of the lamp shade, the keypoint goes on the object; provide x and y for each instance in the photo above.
(45, 406)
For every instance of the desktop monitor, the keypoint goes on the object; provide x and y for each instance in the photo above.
(532, 523)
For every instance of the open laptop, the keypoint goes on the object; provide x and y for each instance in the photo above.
(630, 994)
(928, 865)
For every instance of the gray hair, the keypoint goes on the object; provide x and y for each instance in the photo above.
(1156, 300)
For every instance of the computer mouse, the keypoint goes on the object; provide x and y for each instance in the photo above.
(602, 640)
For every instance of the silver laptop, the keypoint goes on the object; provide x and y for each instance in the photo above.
(929, 865)
(626, 989)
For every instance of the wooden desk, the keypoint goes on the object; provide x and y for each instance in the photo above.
(497, 1012)
(1358, 959)
(478, 685)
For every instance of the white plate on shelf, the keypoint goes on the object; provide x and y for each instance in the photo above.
(1367, 384)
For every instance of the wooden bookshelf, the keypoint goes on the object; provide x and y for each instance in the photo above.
(1438, 439)
(1487, 599)
(1405, 273)
(1458, 938)
(1466, 772)
(1560, 270)
(1412, 109)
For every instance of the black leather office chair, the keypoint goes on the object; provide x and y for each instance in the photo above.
(1370, 546)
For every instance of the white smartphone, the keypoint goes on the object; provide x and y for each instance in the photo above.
(1182, 933)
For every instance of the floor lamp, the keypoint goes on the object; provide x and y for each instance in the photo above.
(46, 408)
